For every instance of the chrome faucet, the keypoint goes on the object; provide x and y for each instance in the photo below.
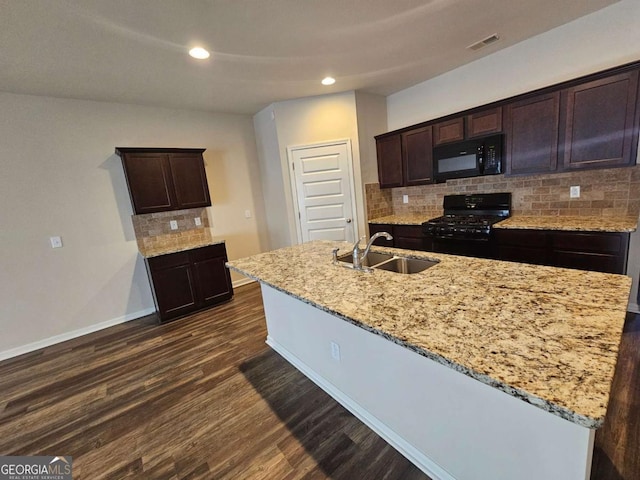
(358, 257)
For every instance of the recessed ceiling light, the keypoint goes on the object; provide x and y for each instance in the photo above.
(199, 53)
(328, 81)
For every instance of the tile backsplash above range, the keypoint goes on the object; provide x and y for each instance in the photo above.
(603, 192)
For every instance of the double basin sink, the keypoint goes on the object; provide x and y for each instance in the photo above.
(391, 263)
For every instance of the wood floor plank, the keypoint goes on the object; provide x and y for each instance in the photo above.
(204, 397)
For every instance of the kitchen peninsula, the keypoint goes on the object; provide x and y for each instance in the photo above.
(473, 368)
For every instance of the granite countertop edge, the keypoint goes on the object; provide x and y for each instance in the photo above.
(150, 253)
(562, 412)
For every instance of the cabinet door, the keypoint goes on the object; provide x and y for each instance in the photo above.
(449, 131)
(212, 278)
(411, 237)
(532, 134)
(600, 128)
(417, 153)
(487, 122)
(389, 150)
(149, 180)
(189, 180)
(380, 227)
(174, 291)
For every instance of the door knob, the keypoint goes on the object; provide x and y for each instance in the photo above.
(348, 220)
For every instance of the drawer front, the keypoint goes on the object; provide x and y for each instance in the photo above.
(589, 242)
(168, 261)
(210, 251)
(382, 227)
(410, 231)
(528, 238)
(597, 262)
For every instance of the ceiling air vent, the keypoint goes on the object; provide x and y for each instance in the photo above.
(484, 42)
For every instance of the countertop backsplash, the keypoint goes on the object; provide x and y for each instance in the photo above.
(605, 192)
(153, 230)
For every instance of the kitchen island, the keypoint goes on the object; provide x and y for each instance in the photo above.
(473, 368)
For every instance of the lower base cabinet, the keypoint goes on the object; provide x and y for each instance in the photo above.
(185, 282)
(596, 251)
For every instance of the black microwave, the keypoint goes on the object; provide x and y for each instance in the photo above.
(470, 158)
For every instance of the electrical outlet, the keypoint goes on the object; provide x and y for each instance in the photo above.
(247, 214)
(574, 191)
(335, 351)
(56, 242)
(173, 224)
(405, 198)
(198, 221)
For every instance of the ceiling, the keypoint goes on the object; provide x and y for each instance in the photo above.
(262, 51)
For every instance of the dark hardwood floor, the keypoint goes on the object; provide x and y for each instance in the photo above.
(204, 397)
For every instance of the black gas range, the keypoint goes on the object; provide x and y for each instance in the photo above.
(465, 227)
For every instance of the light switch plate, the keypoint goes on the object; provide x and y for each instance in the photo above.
(173, 224)
(56, 242)
(574, 191)
(198, 221)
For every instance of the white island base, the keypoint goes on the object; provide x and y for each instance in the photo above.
(449, 425)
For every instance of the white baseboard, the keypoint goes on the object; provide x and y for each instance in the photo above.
(242, 281)
(411, 453)
(63, 337)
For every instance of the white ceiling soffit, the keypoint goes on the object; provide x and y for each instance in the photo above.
(261, 50)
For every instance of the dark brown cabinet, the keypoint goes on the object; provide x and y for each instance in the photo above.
(448, 131)
(409, 237)
(596, 251)
(165, 179)
(389, 151)
(417, 156)
(599, 127)
(532, 134)
(405, 158)
(185, 282)
(486, 122)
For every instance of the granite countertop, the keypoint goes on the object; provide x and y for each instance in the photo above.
(571, 223)
(546, 335)
(179, 243)
(532, 222)
(406, 219)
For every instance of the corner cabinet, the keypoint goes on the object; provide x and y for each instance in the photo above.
(185, 282)
(161, 179)
(405, 158)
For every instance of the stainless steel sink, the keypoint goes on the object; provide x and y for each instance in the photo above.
(372, 258)
(391, 263)
(406, 265)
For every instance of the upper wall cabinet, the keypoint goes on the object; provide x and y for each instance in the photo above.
(485, 122)
(389, 150)
(599, 127)
(165, 179)
(532, 134)
(417, 156)
(448, 131)
(405, 158)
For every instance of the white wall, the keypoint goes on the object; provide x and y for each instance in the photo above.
(60, 176)
(371, 111)
(604, 39)
(302, 122)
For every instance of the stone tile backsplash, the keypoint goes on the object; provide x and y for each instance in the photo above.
(154, 231)
(614, 191)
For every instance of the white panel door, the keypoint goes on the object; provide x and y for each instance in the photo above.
(323, 189)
